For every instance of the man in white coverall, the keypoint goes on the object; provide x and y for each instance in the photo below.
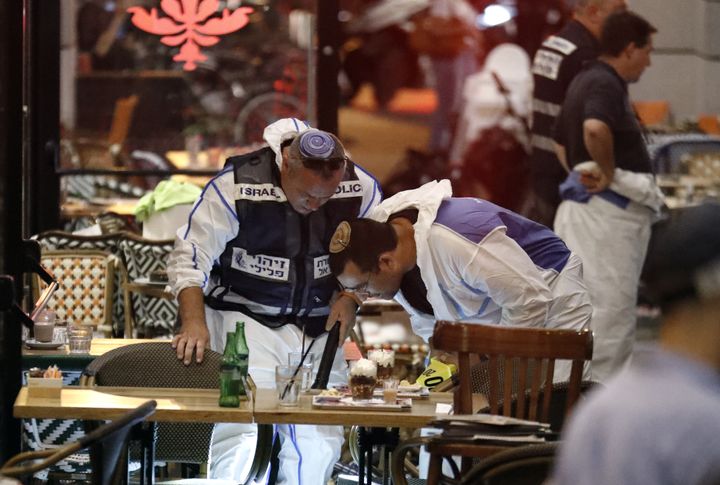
(610, 199)
(461, 259)
(255, 249)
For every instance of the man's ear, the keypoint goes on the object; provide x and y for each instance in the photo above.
(629, 49)
(386, 261)
(285, 165)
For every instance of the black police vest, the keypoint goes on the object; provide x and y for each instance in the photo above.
(279, 259)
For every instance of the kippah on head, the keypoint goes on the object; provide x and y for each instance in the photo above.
(683, 259)
(317, 145)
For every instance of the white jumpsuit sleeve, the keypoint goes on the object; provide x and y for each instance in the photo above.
(372, 194)
(512, 280)
(638, 187)
(213, 222)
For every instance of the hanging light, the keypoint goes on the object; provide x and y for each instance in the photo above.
(494, 15)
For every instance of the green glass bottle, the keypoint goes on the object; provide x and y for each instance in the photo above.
(242, 352)
(230, 377)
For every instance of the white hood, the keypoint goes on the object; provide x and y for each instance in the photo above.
(282, 130)
(426, 199)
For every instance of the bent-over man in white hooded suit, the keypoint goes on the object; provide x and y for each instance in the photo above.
(461, 259)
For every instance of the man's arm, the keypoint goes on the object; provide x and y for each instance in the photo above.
(198, 245)
(561, 155)
(599, 143)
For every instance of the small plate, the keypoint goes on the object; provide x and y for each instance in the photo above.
(34, 344)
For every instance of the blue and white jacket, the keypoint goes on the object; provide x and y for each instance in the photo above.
(250, 251)
(485, 264)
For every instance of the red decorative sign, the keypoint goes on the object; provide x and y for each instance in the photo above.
(189, 26)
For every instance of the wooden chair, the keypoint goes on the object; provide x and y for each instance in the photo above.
(105, 153)
(526, 357)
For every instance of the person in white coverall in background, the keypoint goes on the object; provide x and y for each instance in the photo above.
(255, 249)
(610, 199)
(461, 259)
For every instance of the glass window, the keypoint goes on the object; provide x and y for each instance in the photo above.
(150, 85)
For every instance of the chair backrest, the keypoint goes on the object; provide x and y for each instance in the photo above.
(709, 124)
(86, 282)
(141, 257)
(62, 240)
(122, 117)
(517, 359)
(155, 364)
(526, 465)
(106, 443)
(654, 112)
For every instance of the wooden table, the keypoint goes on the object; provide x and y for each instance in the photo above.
(79, 208)
(67, 361)
(200, 405)
(102, 403)
(267, 411)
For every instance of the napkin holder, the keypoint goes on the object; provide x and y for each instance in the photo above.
(44, 387)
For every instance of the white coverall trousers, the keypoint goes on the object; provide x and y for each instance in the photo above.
(307, 452)
(612, 243)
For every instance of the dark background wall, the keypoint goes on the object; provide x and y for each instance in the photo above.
(11, 122)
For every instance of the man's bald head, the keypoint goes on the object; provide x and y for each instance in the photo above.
(592, 13)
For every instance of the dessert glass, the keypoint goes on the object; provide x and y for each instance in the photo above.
(363, 377)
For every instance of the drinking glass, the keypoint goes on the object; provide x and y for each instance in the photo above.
(390, 390)
(287, 383)
(44, 326)
(79, 338)
(305, 372)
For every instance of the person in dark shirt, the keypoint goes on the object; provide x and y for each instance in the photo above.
(610, 198)
(556, 63)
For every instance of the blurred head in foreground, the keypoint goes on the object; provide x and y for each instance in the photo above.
(682, 272)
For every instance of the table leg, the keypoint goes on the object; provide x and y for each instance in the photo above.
(147, 460)
(361, 458)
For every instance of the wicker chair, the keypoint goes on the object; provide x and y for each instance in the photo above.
(155, 364)
(85, 279)
(105, 444)
(149, 315)
(62, 240)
